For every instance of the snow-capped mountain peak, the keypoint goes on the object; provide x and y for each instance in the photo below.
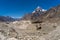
(39, 9)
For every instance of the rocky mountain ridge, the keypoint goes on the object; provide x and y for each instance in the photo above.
(40, 15)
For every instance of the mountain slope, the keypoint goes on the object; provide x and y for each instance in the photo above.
(52, 14)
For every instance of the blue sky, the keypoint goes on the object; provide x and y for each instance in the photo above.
(17, 8)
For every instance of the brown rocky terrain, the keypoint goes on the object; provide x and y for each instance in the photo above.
(40, 25)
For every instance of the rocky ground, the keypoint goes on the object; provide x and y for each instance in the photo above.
(31, 31)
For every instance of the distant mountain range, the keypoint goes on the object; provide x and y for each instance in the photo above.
(7, 19)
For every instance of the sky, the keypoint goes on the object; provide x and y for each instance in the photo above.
(18, 8)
